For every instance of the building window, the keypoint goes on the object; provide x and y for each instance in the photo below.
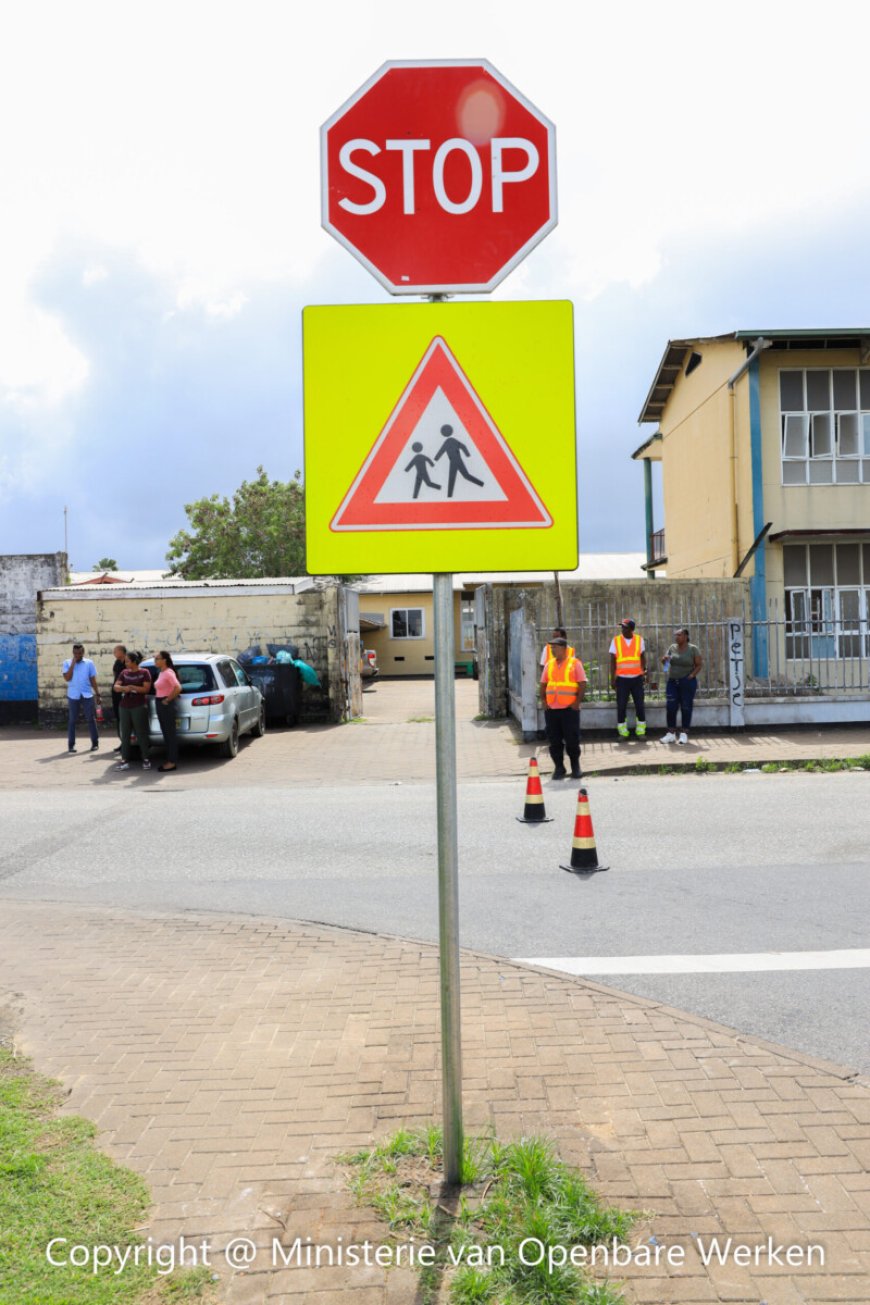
(466, 622)
(406, 622)
(825, 416)
(827, 600)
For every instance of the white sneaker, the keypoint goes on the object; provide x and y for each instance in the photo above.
(684, 738)
(670, 737)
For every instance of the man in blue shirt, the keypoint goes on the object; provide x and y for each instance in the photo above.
(80, 674)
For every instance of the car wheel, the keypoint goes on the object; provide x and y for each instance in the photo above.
(260, 727)
(230, 747)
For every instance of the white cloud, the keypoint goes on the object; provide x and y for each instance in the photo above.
(189, 133)
(188, 136)
(38, 364)
(93, 274)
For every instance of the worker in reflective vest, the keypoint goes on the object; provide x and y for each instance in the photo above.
(558, 633)
(562, 689)
(628, 676)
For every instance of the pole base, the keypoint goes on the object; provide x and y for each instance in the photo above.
(547, 820)
(591, 870)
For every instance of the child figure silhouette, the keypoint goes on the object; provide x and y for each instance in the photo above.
(420, 464)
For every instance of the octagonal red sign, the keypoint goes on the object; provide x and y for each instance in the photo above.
(438, 176)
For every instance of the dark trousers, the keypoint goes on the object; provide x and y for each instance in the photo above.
(680, 694)
(88, 707)
(116, 708)
(629, 686)
(166, 717)
(135, 718)
(563, 735)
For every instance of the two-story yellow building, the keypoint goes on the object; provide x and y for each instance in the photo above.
(764, 443)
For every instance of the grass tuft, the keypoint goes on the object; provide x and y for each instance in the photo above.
(511, 1192)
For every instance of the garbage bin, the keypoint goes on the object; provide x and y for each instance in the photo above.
(281, 687)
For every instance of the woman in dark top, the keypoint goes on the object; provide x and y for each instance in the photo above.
(134, 685)
(120, 651)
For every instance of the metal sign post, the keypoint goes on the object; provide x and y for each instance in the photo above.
(448, 875)
(498, 374)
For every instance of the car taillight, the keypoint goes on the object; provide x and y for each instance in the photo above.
(211, 701)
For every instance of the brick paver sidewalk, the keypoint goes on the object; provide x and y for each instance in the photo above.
(229, 1060)
(395, 742)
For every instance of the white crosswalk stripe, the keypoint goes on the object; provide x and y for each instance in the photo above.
(857, 958)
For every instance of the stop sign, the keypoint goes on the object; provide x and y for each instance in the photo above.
(438, 176)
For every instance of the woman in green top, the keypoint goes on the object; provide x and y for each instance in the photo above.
(682, 662)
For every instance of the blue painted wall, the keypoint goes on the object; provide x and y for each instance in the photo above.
(18, 668)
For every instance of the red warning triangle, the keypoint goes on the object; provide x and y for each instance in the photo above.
(440, 462)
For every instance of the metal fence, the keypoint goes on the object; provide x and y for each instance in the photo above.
(817, 656)
(592, 644)
(782, 658)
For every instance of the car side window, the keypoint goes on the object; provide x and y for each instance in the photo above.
(240, 675)
(226, 674)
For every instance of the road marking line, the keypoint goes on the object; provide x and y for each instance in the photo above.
(857, 958)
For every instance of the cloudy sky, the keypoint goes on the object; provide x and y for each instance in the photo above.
(159, 208)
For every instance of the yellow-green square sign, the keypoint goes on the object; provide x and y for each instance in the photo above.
(440, 437)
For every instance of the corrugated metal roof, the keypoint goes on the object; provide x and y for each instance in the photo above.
(593, 566)
(843, 337)
(160, 579)
(673, 358)
(173, 586)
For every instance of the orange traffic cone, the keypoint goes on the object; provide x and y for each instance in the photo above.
(584, 858)
(533, 811)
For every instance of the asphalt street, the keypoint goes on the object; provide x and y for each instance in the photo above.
(699, 865)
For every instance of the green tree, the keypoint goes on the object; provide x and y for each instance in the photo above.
(105, 564)
(259, 532)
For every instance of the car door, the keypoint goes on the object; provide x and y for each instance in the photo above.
(249, 699)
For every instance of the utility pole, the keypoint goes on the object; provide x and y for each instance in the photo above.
(560, 614)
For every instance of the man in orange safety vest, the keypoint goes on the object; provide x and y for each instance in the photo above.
(559, 632)
(628, 675)
(562, 689)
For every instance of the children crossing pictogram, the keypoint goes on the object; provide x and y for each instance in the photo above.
(440, 418)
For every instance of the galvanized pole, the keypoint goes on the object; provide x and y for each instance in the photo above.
(448, 875)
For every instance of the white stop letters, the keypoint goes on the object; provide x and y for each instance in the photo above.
(500, 175)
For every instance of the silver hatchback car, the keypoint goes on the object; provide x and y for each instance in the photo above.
(217, 704)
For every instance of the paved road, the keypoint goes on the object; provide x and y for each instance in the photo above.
(725, 865)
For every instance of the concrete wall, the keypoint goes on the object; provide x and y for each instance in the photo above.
(21, 577)
(592, 612)
(193, 618)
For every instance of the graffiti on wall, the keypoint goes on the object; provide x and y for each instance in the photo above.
(736, 671)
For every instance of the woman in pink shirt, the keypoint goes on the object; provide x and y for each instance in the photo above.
(166, 689)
